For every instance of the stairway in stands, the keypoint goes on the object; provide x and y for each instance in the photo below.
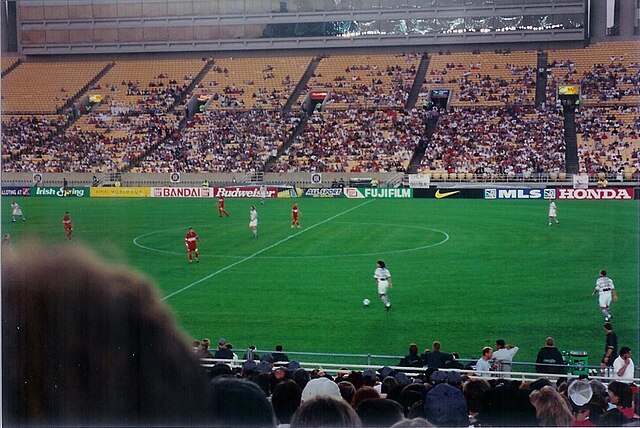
(178, 102)
(304, 118)
(12, 67)
(570, 140)
(295, 95)
(417, 82)
(68, 109)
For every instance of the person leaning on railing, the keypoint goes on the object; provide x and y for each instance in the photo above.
(549, 359)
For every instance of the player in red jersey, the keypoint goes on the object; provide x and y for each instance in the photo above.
(68, 226)
(221, 210)
(295, 212)
(190, 240)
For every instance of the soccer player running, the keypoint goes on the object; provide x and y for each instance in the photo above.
(295, 213)
(16, 211)
(253, 221)
(191, 241)
(383, 278)
(68, 226)
(553, 212)
(221, 210)
(606, 290)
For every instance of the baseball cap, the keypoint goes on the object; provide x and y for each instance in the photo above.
(438, 377)
(222, 341)
(402, 378)
(386, 371)
(454, 378)
(369, 373)
(249, 366)
(445, 405)
(320, 386)
(264, 367)
(293, 365)
(580, 392)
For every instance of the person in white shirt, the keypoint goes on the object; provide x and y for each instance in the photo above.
(253, 221)
(623, 367)
(383, 278)
(503, 355)
(484, 364)
(263, 193)
(606, 290)
(553, 212)
(16, 211)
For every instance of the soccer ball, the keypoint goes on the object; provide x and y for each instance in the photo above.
(366, 302)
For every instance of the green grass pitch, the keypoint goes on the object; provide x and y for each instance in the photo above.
(465, 272)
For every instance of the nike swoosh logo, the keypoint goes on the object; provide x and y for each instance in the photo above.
(445, 194)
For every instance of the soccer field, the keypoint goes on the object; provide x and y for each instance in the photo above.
(465, 272)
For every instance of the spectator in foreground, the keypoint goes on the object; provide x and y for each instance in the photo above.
(286, 399)
(102, 348)
(325, 411)
(552, 409)
(379, 412)
(238, 403)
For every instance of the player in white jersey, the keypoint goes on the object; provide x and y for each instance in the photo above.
(263, 193)
(253, 221)
(16, 211)
(606, 290)
(383, 278)
(553, 212)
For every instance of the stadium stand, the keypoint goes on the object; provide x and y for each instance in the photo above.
(352, 141)
(608, 72)
(115, 135)
(483, 78)
(608, 141)
(366, 81)
(487, 141)
(243, 83)
(8, 61)
(222, 141)
(46, 87)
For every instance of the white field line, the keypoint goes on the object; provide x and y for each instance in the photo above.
(257, 253)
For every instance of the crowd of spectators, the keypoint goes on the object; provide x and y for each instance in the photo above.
(475, 85)
(506, 140)
(612, 81)
(608, 143)
(373, 85)
(222, 141)
(353, 141)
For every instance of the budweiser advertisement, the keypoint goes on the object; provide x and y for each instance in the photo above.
(245, 192)
(617, 193)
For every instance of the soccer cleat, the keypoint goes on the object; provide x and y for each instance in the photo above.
(607, 319)
(14, 220)
(291, 226)
(388, 306)
(197, 260)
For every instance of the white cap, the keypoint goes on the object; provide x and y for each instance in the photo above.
(320, 386)
(580, 392)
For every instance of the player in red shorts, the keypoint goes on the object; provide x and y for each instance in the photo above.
(68, 226)
(295, 212)
(221, 210)
(190, 240)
